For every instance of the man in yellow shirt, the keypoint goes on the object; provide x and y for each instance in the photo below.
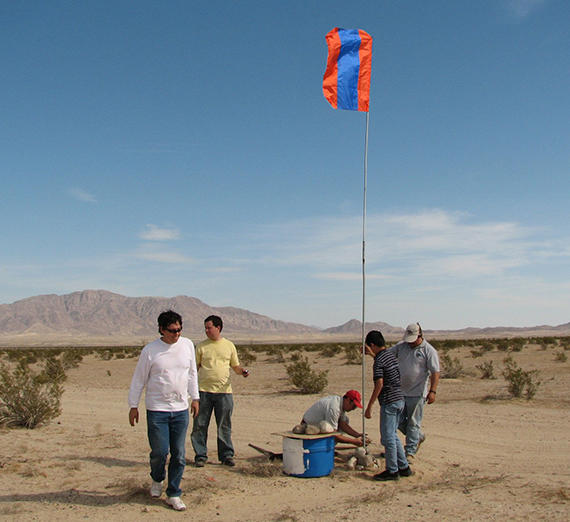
(214, 358)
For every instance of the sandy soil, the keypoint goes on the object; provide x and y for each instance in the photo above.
(487, 457)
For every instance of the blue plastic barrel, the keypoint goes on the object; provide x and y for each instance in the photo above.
(308, 457)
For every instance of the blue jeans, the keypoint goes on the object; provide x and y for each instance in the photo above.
(411, 422)
(222, 404)
(167, 430)
(389, 419)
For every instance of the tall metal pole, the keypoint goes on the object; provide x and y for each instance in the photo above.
(364, 278)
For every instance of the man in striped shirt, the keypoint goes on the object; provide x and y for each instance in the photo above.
(388, 391)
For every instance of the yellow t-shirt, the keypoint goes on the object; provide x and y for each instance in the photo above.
(216, 358)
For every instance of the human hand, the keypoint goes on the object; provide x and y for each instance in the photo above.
(195, 408)
(133, 416)
(368, 413)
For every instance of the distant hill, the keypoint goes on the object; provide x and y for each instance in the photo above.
(102, 317)
(102, 314)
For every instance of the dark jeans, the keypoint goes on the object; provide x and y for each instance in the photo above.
(167, 430)
(222, 404)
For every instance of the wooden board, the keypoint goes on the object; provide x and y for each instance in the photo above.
(303, 436)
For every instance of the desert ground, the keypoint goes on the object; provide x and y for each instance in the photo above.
(486, 457)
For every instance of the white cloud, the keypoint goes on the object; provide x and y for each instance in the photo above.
(154, 233)
(81, 195)
(430, 244)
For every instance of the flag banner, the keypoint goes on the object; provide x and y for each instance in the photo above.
(346, 84)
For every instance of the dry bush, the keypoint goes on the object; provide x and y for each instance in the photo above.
(27, 398)
(331, 350)
(246, 357)
(560, 357)
(353, 354)
(450, 368)
(305, 379)
(520, 380)
(487, 370)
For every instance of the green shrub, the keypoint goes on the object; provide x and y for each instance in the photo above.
(245, 356)
(277, 352)
(331, 350)
(520, 380)
(450, 368)
(560, 357)
(353, 353)
(27, 398)
(305, 379)
(487, 370)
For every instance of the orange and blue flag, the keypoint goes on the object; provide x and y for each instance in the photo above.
(346, 84)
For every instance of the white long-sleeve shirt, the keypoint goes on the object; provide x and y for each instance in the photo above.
(169, 373)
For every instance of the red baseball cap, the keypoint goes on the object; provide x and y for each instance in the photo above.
(355, 397)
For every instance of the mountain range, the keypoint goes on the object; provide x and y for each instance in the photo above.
(103, 317)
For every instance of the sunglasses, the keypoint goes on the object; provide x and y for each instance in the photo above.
(174, 330)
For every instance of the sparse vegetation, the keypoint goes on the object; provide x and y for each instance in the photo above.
(487, 370)
(451, 368)
(520, 380)
(560, 357)
(331, 350)
(30, 398)
(246, 356)
(306, 380)
(353, 353)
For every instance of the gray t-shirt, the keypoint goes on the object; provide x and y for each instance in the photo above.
(416, 365)
(329, 409)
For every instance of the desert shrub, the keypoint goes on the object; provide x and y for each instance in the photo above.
(331, 350)
(277, 353)
(246, 357)
(296, 356)
(519, 380)
(27, 398)
(305, 379)
(477, 352)
(560, 357)
(451, 368)
(502, 345)
(353, 354)
(486, 369)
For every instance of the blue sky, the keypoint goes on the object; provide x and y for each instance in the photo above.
(185, 148)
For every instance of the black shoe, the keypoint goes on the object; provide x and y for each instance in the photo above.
(229, 462)
(386, 475)
(200, 463)
(406, 472)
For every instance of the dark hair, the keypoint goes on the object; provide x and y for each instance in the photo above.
(165, 319)
(376, 338)
(216, 321)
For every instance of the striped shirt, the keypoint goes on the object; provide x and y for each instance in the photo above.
(386, 368)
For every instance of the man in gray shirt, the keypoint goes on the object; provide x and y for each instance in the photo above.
(419, 369)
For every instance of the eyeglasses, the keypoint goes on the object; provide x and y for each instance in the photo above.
(174, 330)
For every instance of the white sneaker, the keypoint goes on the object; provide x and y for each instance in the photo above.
(176, 503)
(156, 489)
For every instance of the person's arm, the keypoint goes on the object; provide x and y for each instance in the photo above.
(194, 408)
(345, 426)
(138, 382)
(357, 441)
(240, 370)
(433, 382)
(378, 385)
